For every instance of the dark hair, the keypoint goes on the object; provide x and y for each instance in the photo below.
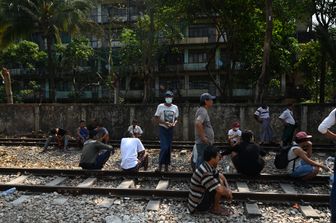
(52, 131)
(128, 134)
(247, 136)
(135, 121)
(92, 133)
(210, 152)
(81, 121)
(202, 103)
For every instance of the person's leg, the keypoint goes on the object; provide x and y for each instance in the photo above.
(200, 154)
(169, 147)
(163, 147)
(65, 139)
(102, 159)
(143, 161)
(305, 171)
(49, 139)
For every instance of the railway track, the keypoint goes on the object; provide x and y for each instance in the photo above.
(86, 182)
(150, 144)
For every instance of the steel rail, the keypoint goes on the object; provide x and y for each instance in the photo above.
(318, 148)
(153, 193)
(168, 175)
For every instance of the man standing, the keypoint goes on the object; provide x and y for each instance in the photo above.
(262, 115)
(208, 186)
(166, 116)
(94, 154)
(324, 128)
(133, 154)
(204, 134)
(288, 120)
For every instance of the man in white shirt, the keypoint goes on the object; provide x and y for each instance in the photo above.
(166, 116)
(133, 154)
(135, 129)
(324, 128)
(288, 120)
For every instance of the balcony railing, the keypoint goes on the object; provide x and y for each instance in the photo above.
(193, 40)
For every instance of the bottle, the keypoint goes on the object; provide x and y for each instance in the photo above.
(8, 191)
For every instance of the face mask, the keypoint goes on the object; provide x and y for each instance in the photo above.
(169, 100)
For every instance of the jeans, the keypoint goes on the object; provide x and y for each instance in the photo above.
(200, 153)
(102, 159)
(333, 199)
(59, 140)
(166, 138)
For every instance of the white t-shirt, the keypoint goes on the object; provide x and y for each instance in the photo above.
(167, 114)
(234, 135)
(137, 129)
(129, 149)
(287, 116)
(291, 156)
(262, 113)
(329, 121)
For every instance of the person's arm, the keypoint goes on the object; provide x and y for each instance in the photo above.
(303, 155)
(326, 124)
(103, 146)
(159, 121)
(200, 131)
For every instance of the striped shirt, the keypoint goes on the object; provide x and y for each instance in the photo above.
(204, 179)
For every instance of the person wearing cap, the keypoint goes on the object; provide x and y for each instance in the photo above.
(204, 133)
(301, 165)
(234, 134)
(262, 115)
(288, 120)
(247, 156)
(324, 128)
(94, 154)
(166, 116)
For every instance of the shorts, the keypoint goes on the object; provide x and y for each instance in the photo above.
(207, 201)
(302, 170)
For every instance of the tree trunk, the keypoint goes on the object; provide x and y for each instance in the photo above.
(8, 85)
(323, 73)
(261, 83)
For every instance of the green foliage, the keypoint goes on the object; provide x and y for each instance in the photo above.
(75, 53)
(24, 54)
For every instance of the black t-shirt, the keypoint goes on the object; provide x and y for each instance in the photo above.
(61, 132)
(248, 160)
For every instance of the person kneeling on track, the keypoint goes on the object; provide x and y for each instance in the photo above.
(133, 154)
(94, 154)
(301, 165)
(247, 156)
(208, 186)
(59, 136)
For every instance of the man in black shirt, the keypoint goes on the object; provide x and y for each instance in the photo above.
(59, 136)
(246, 156)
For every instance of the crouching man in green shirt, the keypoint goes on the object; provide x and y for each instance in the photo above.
(94, 154)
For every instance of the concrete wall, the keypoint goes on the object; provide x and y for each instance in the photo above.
(23, 118)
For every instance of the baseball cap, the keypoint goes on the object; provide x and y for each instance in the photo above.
(169, 94)
(235, 125)
(302, 137)
(206, 96)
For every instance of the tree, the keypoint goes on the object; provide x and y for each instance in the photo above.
(74, 56)
(142, 43)
(325, 14)
(47, 18)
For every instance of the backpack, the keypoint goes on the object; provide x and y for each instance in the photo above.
(281, 158)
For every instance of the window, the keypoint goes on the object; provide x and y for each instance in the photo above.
(199, 82)
(196, 56)
(198, 31)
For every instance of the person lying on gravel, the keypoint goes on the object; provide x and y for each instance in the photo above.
(208, 186)
(59, 136)
(133, 154)
(301, 165)
(94, 154)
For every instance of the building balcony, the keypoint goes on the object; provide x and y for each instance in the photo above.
(193, 40)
